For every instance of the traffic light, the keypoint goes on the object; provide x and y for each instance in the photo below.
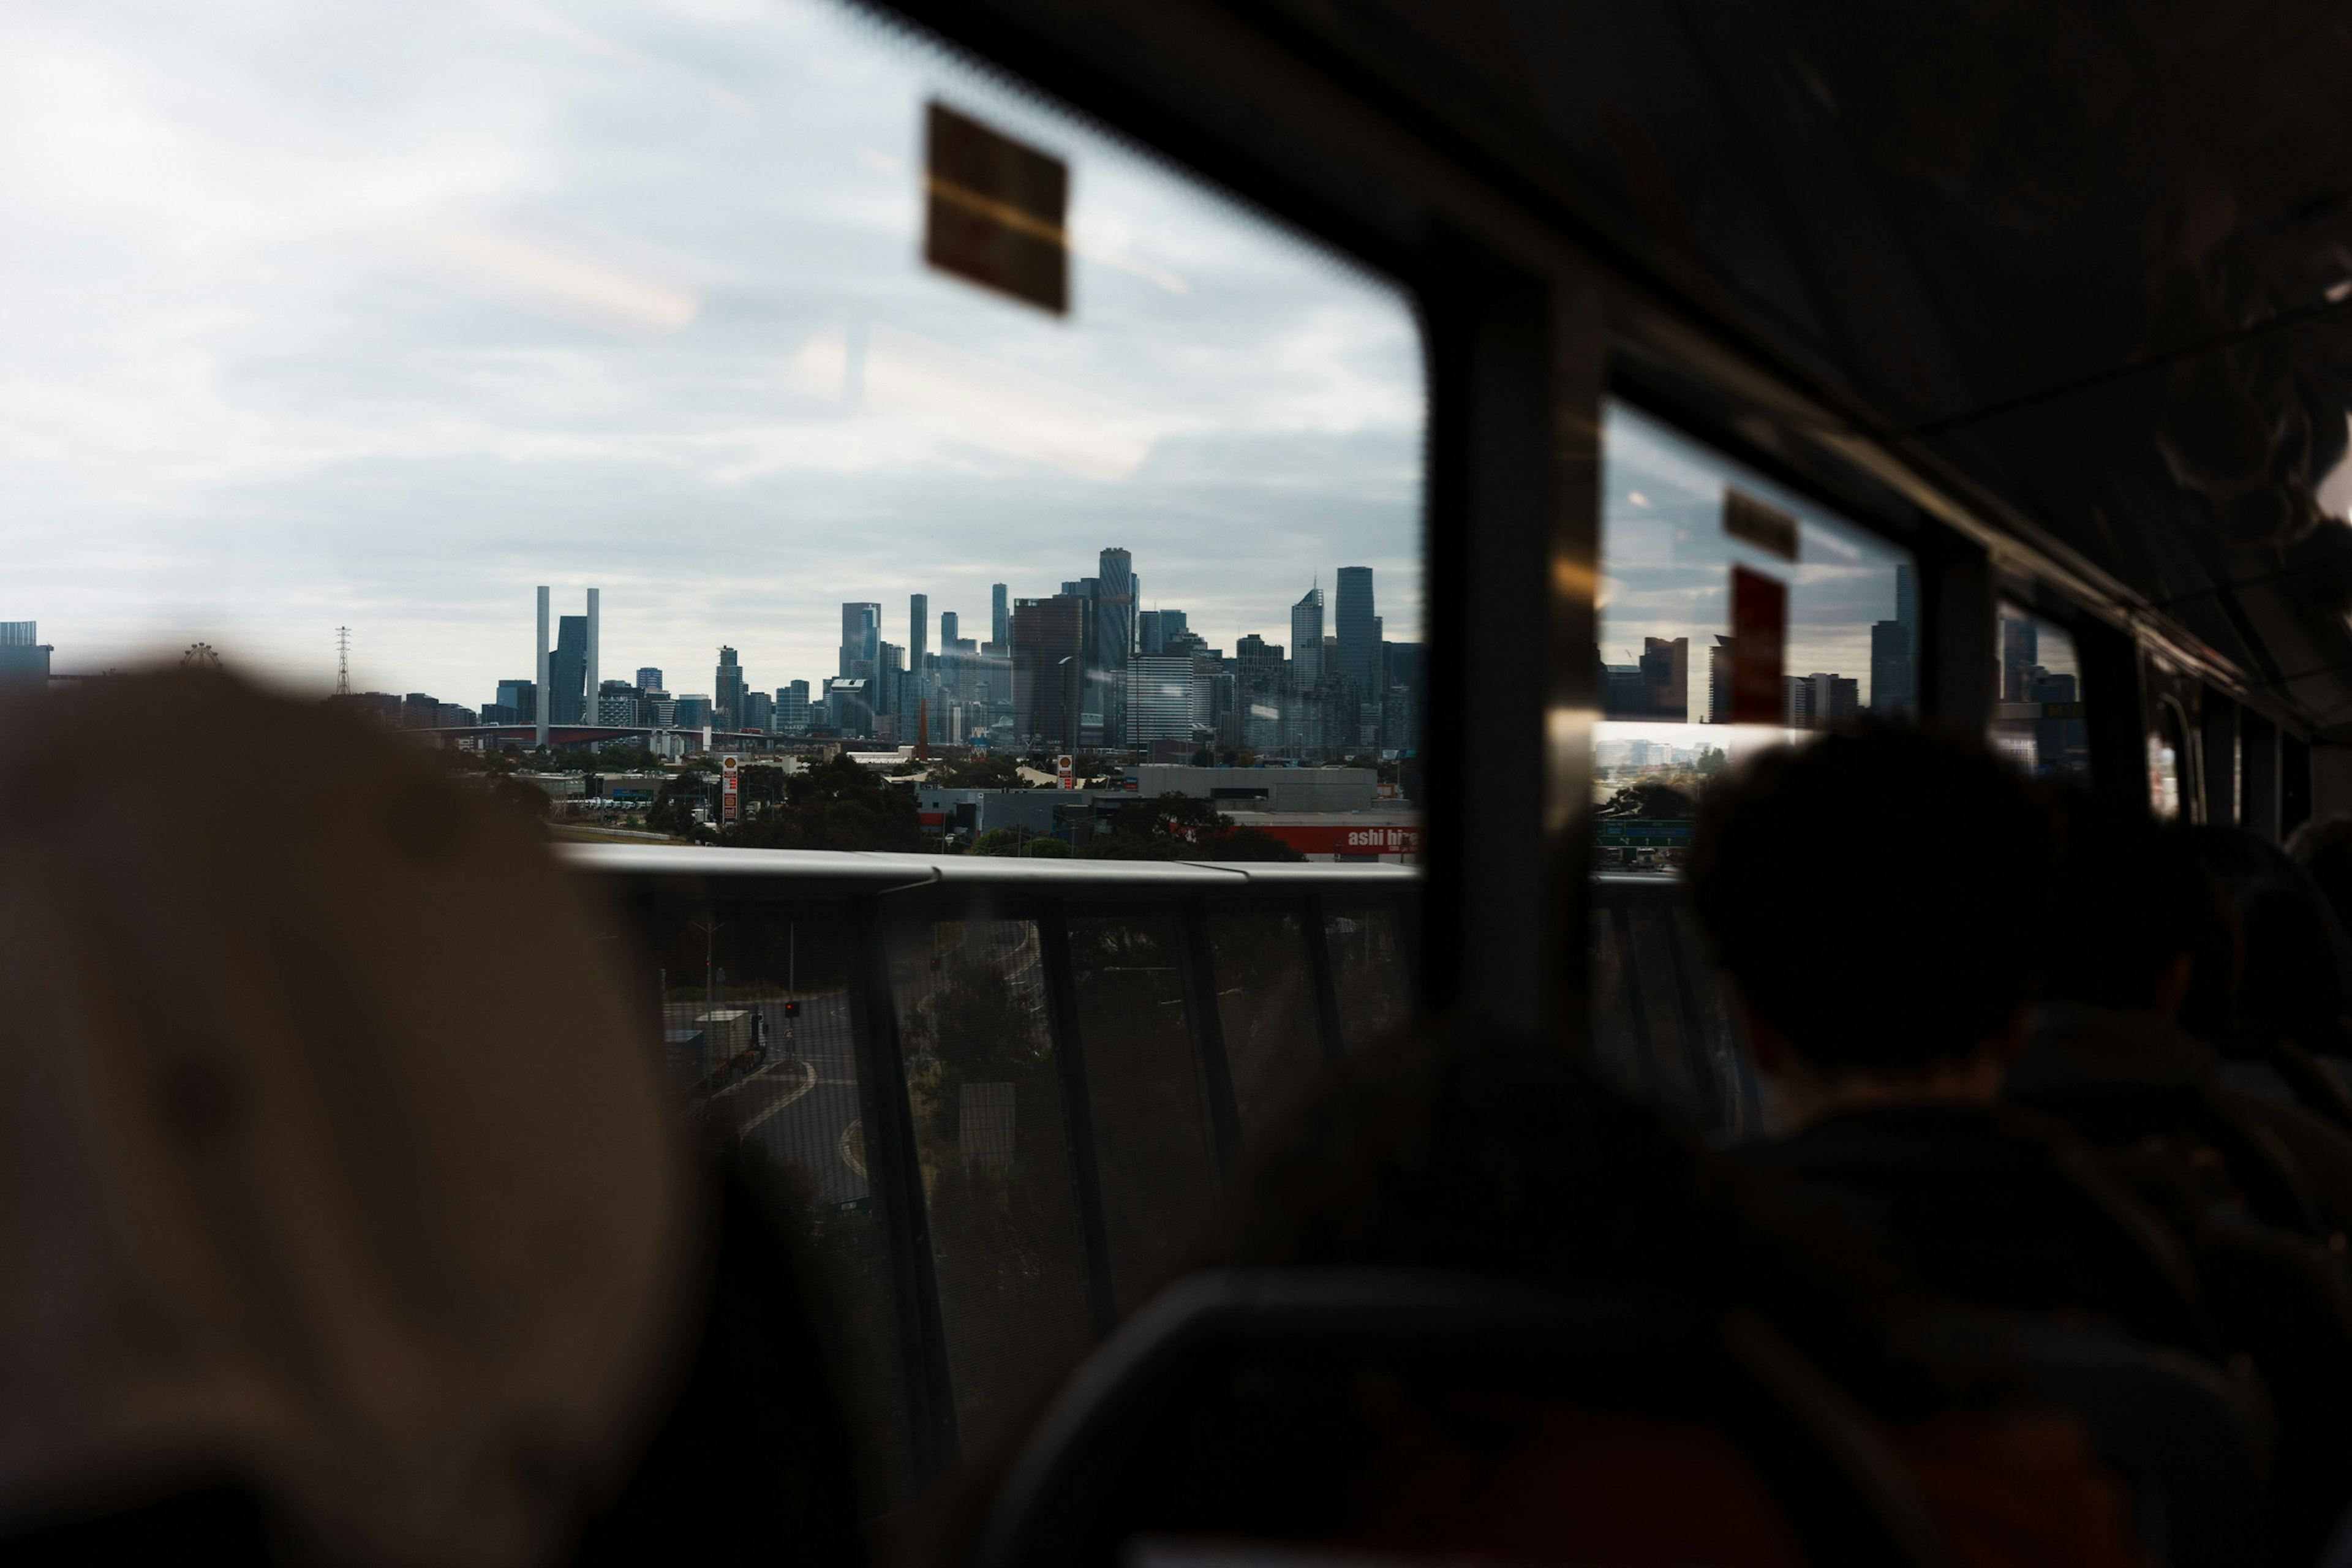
(792, 1009)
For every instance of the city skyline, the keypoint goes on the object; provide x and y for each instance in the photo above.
(971, 688)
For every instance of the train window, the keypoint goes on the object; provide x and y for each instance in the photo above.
(760, 1035)
(991, 1132)
(1150, 1103)
(1367, 972)
(1266, 1006)
(1734, 613)
(379, 317)
(2168, 762)
(2038, 717)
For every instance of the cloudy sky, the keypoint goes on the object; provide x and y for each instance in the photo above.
(379, 314)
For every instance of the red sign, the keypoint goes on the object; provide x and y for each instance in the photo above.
(1341, 838)
(727, 793)
(1759, 637)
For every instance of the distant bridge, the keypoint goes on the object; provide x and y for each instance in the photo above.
(583, 734)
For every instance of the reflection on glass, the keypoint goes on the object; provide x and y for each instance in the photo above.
(1662, 1030)
(2166, 748)
(2038, 723)
(1368, 966)
(990, 1135)
(1265, 1002)
(1677, 521)
(1153, 1142)
(759, 1034)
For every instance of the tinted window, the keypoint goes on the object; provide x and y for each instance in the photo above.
(1155, 1146)
(760, 1036)
(2038, 716)
(380, 315)
(1705, 565)
(992, 1137)
(1265, 1000)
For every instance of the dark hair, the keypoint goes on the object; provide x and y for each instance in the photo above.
(2323, 847)
(2130, 899)
(1876, 894)
(2294, 977)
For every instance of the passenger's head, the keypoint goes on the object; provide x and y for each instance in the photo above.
(2323, 847)
(1874, 897)
(2295, 977)
(333, 1166)
(2134, 920)
(1476, 1154)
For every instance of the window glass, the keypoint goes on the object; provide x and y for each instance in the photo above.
(1662, 1029)
(1154, 1146)
(1266, 1004)
(1368, 966)
(371, 318)
(2038, 721)
(758, 1035)
(1705, 565)
(2167, 752)
(990, 1130)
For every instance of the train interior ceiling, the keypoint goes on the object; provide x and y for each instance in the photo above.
(1983, 365)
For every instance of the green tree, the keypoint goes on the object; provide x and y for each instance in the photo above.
(1711, 761)
(1647, 800)
(1181, 827)
(672, 808)
(1020, 841)
(837, 805)
(1004, 1222)
(978, 770)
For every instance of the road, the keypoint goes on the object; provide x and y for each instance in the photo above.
(800, 1105)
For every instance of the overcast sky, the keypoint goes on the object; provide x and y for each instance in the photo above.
(379, 314)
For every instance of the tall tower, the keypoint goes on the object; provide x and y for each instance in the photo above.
(861, 638)
(1000, 615)
(540, 663)
(918, 630)
(1307, 637)
(727, 691)
(342, 661)
(1114, 612)
(595, 620)
(1360, 638)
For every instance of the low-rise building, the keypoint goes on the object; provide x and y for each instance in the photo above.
(1262, 789)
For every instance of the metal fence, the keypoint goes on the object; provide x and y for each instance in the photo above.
(997, 1099)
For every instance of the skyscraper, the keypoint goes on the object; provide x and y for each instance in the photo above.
(649, 678)
(1894, 651)
(918, 630)
(950, 628)
(1307, 637)
(861, 636)
(1000, 615)
(589, 680)
(24, 657)
(1049, 669)
(792, 708)
(540, 680)
(1358, 630)
(727, 700)
(1113, 639)
(567, 699)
